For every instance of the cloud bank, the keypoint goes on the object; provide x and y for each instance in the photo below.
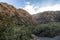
(32, 9)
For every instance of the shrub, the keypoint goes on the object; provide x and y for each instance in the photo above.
(47, 30)
(15, 32)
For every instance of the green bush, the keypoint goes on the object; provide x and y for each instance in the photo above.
(47, 30)
(16, 32)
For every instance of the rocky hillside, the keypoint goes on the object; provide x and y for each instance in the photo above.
(9, 13)
(48, 16)
(15, 24)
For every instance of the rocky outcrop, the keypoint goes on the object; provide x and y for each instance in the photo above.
(17, 16)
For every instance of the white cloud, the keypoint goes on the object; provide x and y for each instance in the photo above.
(28, 3)
(30, 8)
(36, 9)
(55, 7)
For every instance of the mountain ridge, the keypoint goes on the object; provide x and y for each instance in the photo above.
(47, 16)
(21, 15)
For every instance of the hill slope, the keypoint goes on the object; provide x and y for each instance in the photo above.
(17, 16)
(48, 16)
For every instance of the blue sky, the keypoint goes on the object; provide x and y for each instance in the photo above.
(34, 5)
(21, 3)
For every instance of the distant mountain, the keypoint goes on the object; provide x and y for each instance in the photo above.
(9, 13)
(47, 16)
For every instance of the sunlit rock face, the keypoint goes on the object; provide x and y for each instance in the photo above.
(18, 16)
